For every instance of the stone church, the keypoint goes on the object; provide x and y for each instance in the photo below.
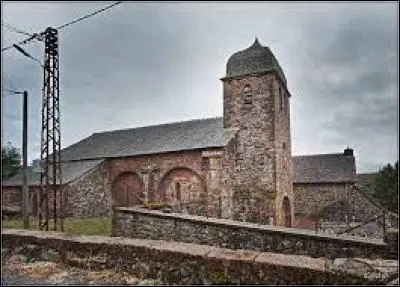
(239, 166)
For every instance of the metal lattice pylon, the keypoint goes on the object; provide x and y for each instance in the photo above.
(50, 194)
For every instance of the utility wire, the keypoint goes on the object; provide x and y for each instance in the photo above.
(89, 15)
(36, 35)
(11, 92)
(15, 29)
(26, 54)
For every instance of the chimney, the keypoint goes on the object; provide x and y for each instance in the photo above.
(348, 151)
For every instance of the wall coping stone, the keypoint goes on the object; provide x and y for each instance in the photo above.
(238, 254)
(292, 260)
(249, 225)
(211, 252)
(237, 266)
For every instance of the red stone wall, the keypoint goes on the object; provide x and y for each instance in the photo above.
(11, 196)
(187, 180)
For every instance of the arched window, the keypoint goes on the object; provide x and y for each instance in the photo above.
(178, 190)
(247, 93)
(247, 89)
(280, 96)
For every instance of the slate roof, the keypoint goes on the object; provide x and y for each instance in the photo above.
(255, 59)
(187, 135)
(324, 168)
(70, 171)
(195, 134)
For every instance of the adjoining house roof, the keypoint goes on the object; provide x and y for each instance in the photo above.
(324, 168)
(70, 171)
(187, 135)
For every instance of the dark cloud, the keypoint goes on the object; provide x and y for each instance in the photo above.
(149, 63)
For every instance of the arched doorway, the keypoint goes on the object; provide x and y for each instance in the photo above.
(127, 190)
(183, 189)
(286, 212)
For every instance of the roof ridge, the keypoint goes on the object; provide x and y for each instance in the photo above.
(159, 125)
(319, 154)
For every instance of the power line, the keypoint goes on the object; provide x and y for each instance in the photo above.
(10, 92)
(15, 29)
(26, 54)
(23, 42)
(89, 15)
(38, 35)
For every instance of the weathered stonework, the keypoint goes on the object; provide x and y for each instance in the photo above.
(189, 181)
(252, 105)
(284, 166)
(88, 196)
(183, 263)
(139, 223)
(11, 196)
(11, 201)
(312, 199)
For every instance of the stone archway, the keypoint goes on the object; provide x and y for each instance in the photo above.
(286, 212)
(184, 189)
(127, 190)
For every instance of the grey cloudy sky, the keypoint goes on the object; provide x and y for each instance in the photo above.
(149, 63)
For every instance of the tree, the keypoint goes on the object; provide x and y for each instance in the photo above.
(10, 161)
(385, 187)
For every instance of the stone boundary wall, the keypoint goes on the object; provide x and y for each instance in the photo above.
(174, 262)
(151, 224)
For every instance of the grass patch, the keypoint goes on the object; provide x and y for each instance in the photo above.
(85, 226)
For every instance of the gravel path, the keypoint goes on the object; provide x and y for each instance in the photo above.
(15, 272)
(13, 279)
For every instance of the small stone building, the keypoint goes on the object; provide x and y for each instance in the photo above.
(238, 166)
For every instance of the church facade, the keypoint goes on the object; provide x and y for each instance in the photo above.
(239, 166)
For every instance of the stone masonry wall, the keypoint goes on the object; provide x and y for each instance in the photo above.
(315, 197)
(249, 106)
(158, 176)
(139, 223)
(309, 196)
(283, 147)
(11, 200)
(227, 178)
(11, 196)
(89, 196)
(182, 263)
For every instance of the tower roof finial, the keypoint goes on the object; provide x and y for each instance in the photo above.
(256, 43)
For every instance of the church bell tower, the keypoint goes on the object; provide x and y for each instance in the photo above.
(257, 103)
